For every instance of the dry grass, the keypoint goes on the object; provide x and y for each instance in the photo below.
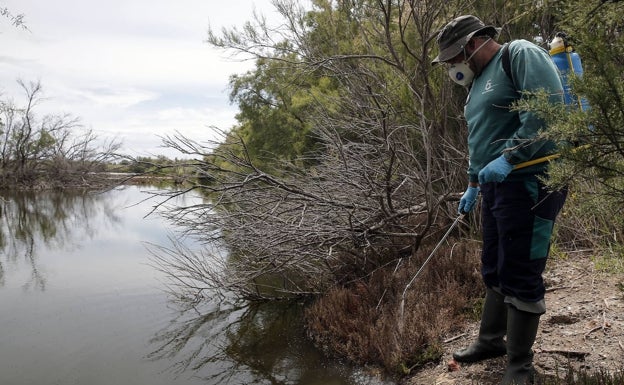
(585, 378)
(362, 321)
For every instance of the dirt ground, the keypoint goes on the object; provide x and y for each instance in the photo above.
(583, 328)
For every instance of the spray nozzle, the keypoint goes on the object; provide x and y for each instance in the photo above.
(560, 43)
(563, 36)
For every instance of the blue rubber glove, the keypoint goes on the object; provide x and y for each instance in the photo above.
(468, 200)
(495, 171)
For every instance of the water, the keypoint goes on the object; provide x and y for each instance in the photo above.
(81, 304)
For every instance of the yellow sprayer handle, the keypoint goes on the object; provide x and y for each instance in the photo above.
(531, 162)
(543, 159)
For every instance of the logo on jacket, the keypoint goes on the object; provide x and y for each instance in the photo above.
(488, 87)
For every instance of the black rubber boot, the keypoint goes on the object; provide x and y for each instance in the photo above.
(521, 331)
(490, 342)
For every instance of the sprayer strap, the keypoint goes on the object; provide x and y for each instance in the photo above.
(506, 59)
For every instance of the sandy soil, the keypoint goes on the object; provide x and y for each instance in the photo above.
(582, 328)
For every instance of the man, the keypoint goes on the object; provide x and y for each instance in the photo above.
(518, 213)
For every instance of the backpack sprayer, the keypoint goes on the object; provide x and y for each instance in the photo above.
(567, 61)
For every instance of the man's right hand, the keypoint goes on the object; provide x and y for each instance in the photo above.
(468, 200)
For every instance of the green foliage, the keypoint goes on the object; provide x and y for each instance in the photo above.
(159, 165)
(275, 102)
(598, 39)
(591, 142)
(336, 64)
(590, 221)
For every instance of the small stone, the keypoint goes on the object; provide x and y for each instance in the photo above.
(453, 366)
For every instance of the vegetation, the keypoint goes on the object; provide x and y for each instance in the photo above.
(363, 323)
(147, 165)
(345, 166)
(15, 20)
(586, 378)
(344, 169)
(47, 151)
(374, 164)
(594, 167)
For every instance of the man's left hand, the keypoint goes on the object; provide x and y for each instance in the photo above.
(495, 171)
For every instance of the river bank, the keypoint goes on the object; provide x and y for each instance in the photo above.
(583, 328)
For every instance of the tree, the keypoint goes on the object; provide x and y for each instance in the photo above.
(15, 20)
(49, 149)
(592, 154)
(390, 155)
(388, 160)
(275, 101)
(350, 145)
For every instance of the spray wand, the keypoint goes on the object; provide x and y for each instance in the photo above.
(429, 258)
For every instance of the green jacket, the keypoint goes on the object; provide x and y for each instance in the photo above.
(493, 127)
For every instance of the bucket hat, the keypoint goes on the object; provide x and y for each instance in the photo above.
(454, 36)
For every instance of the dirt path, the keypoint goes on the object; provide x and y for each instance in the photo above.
(583, 328)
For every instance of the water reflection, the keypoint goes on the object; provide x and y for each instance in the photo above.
(32, 220)
(81, 304)
(255, 344)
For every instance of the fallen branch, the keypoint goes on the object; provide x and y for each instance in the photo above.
(446, 341)
(602, 327)
(568, 353)
(592, 330)
(551, 289)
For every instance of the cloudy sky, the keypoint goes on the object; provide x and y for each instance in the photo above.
(130, 69)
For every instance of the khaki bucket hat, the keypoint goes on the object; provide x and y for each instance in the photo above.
(454, 36)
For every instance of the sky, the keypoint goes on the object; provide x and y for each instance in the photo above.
(131, 70)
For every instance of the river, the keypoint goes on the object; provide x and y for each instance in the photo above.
(81, 303)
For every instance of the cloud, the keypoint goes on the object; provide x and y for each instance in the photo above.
(190, 123)
(131, 69)
(111, 97)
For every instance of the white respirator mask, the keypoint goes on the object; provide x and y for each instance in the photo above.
(461, 73)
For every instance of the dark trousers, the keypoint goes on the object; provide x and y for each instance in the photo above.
(517, 220)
